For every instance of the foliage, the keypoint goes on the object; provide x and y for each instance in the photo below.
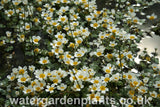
(69, 48)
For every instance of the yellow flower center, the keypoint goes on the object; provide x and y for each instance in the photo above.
(80, 76)
(51, 89)
(59, 43)
(12, 78)
(79, 41)
(62, 87)
(63, 19)
(131, 92)
(89, 19)
(36, 40)
(152, 17)
(38, 88)
(48, 18)
(28, 90)
(102, 88)
(60, 36)
(135, 83)
(131, 10)
(109, 56)
(44, 61)
(21, 71)
(108, 71)
(42, 75)
(92, 96)
(10, 12)
(106, 79)
(143, 90)
(79, 55)
(33, 83)
(75, 63)
(129, 56)
(96, 81)
(27, 27)
(129, 76)
(95, 25)
(55, 80)
(23, 79)
(75, 33)
(99, 53)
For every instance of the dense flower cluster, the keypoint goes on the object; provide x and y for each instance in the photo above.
(70, 47)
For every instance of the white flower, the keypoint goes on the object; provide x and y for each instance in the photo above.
(50, 88)
(56, 80)
(132, 37)
(78, 41)
(102, 88)
(8, 33)
(99, 51)
(152, 16)
(77, 86)
(89, 18)
(57, 50)
(105, 79)
(93, 88)
(115, 77)
(11, 77)
(96, 80)
(81, 75)
(16, 2)
(108, 69)
(44, 60)
(109, 56)
(54, 22)
(27, 26)
(75, 16)
(75, 62)
(21, 37)
(95, 24)
(65, 1)
(60, 35)
(130, 75)
(102, 35)
(40, 74)
(23, 15)
(143, 89)
(32, 68)
(38, 87)
(146, 79)
(17, 93)
(121, 63)
(2, 42)
(74, 24)
(28, 89)
(9, 12)
(98, 98)
(78, 54)
(129, 55)
(61, 87)
(22, 70)
(48, 72)
(153, 94)
(23, 78)
(112, 44)
(35, 39)
(154, 66)
(64, 9)
(157, 84)
(63, 19)
(135, 82)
